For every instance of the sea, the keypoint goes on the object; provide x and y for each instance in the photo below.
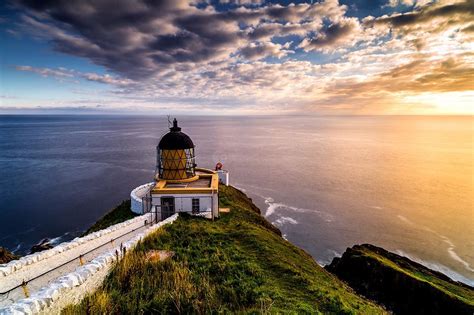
(405, 183)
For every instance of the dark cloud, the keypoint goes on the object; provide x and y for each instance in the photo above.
(256, 51)
(140, 38)
(335, 35)
(135, 38)
(428, 13)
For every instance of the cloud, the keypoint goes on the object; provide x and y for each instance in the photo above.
(256, 51)
(458, 11)
(417, 77)
(63, 73)
(253, 53)
(138, 39)
(336, 36)
(45, 72)
(242, 2)
(106, 78)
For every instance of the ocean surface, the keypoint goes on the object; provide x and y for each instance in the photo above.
(403, 183)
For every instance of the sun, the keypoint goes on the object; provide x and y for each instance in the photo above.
(449, 103)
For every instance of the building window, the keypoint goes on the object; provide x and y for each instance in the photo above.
(195, 205)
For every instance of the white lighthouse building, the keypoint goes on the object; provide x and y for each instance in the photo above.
(179, 185)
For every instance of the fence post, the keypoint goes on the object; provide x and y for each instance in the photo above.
(81, 262)
(25, 289)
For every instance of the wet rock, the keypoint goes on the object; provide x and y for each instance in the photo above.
(41, 246)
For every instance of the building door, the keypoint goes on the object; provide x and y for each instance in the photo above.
(167, 207)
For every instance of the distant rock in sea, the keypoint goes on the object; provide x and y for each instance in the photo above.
(41, 246)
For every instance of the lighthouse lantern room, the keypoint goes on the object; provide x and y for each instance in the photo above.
(175, 156)
(179, 185)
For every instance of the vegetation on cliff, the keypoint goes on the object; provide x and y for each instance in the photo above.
(118, 214)
(238, 263)
(402, 285)
(6, 256)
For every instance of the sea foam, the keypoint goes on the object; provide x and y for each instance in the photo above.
(451, 252)
(438, 267)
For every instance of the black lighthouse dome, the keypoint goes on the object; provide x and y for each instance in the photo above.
(175, 155)
(175, 139)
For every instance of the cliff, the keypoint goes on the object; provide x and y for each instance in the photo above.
(6, 256)
(403, 286)
(237, 263)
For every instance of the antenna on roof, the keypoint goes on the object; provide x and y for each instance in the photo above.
(169, 121)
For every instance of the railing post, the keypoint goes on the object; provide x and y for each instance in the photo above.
(25, 289)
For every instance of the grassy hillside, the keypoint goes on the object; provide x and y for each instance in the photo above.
(404, 286)
(118, 214)
(238, 263)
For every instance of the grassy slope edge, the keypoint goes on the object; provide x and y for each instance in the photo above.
(238, 263)
(401, 284)
(118, 214)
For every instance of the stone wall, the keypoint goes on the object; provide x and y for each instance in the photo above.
(15, 265)
(71, 288)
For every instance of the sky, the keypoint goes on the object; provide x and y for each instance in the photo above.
(237, 57)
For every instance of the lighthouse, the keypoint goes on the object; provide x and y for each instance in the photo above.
(175, 156)
(179, 185)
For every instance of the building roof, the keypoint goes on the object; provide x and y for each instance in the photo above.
(175, 139)
(205, 182)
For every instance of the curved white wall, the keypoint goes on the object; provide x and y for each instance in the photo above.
(136, 197)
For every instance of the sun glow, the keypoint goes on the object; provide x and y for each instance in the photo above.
(451, 103)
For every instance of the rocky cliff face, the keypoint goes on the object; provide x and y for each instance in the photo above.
(401, 285)
(6, 256)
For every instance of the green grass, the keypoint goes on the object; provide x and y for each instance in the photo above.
(119, 214)
(237, 264)
(403, 265)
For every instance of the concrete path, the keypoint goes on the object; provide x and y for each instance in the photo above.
(64, 262)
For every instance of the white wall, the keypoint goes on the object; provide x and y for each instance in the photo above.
(73, 287)
(223, 177)
(136, 197)
(215, 208)
(183, 202)
(64, 248)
